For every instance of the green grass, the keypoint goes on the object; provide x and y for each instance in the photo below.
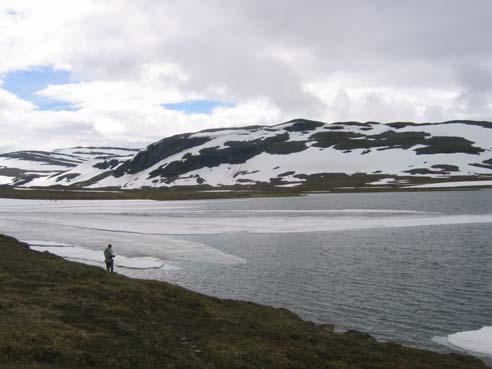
(59, 314)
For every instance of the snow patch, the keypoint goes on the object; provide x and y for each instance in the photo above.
(93, 257)
(454, 184)
(31, 165)
(6, 180)
(213, 191)
(289, 185)
(386, 181)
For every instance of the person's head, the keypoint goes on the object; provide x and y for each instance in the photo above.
(109, 246)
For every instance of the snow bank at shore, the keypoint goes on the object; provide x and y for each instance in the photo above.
(94, 257)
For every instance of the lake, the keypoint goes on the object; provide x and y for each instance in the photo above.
(402, 266)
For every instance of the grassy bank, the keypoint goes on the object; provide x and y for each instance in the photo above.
(170, 194)
(59, 314)
(142, 194)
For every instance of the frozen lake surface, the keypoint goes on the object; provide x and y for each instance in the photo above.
(401, 266)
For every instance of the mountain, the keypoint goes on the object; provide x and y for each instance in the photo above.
(296, 153)
(42, 168)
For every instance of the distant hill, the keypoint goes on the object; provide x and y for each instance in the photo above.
(300, 153)
(32, 168)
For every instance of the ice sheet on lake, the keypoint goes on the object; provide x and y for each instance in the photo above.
(46, 243)
(477, 342)
(152, 223)
(257, 222)
(130, 245)
(92, 206)
(150, 228)
(94, 257)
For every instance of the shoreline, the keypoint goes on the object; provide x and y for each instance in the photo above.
(270, 333)
(209, 194)
(451, 350)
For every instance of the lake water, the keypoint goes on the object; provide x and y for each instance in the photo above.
(401, 266)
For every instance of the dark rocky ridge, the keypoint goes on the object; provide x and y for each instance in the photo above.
(107, 164)
(159, 151)
(484, 124)
(344, 141)
(236, 152)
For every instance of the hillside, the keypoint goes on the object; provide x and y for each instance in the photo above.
(32, 167)
(299, 153)
(59, 314)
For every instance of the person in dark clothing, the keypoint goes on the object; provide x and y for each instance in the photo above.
(108, 258)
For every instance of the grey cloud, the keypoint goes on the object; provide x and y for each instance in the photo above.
(385, 42)
(381, 45)
(476, 96)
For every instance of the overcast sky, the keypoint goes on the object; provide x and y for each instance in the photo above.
(127, 73)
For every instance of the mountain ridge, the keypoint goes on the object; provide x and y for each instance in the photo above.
(300, 152)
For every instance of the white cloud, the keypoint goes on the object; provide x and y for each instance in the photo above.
(124, 120)
(11, 103)
(276, 60)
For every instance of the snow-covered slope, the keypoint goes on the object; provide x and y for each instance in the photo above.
(47, 168)
(302, 152)
(299, 152)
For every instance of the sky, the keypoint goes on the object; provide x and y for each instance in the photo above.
(128, 73)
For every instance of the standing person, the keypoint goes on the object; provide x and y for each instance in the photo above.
(108, 258)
